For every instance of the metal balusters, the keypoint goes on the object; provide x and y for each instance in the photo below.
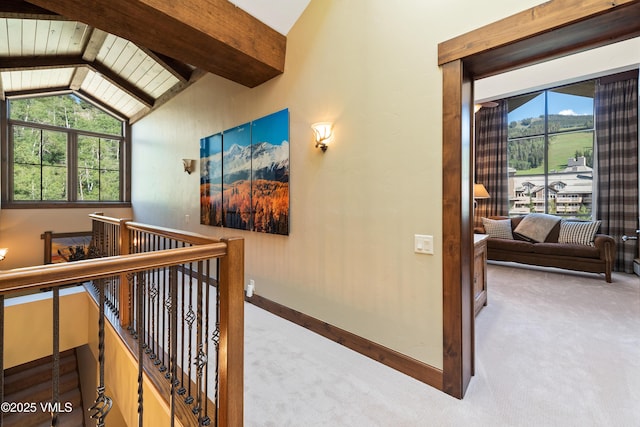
(97, 239)
(163, 342)
(173, 282)
(148, 308)
(142, 297)
(216, 342)
(155, 306)
(201, 357)
(205, 419)
(168, 304)
(111, 294)
(159, 309)
(133, 304)
(55, 376)
(116, 296)
(140, 291)
(190, 317)
(182, 390)
(153, 294)
(103, 403)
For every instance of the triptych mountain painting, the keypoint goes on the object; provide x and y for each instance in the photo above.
(244, 176)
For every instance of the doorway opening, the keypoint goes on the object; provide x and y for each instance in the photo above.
(551, 30)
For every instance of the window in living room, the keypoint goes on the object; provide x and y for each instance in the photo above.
(63, 150)
(550, 151)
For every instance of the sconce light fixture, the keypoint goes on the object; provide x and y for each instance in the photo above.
(189, 165)
(3, 253)
(323, 134)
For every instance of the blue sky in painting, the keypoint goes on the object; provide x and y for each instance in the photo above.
(240, 135)
(273, 128)
(210, 145)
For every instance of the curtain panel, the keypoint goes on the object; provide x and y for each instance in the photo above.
(491, 129)
(616, 105)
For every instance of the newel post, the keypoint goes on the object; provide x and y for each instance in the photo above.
(231, 351)
(125, 290)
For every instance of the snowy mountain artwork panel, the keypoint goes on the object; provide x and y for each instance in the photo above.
(236, 177)
(244, 176)
(270, 173)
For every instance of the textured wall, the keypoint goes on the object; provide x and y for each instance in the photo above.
(371, 68)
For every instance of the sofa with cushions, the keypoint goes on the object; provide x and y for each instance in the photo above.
(549, 241)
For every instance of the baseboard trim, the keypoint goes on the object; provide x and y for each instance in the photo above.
(395, 360)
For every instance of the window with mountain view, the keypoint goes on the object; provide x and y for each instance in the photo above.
(550, 151)
(64, 149)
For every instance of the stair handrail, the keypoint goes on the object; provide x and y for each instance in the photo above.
(230, 252)
(42, 276)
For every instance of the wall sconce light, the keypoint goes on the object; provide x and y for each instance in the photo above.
(189, 165)
(3, 253)
(323, 134)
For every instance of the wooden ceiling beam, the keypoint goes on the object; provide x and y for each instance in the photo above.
(213, 35)
(20, 9)
(60, 90)
(176, 89)
(179, 70)
(123, 84)
(52, 91)
(94, 44)
(99, 103)
(21, 63)
(78, 77)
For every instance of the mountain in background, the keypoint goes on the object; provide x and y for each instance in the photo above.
(270, 162)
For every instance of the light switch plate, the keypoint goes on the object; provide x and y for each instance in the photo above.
(423, 244)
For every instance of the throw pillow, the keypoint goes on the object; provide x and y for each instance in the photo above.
(498, 228)
(536, 227)
(578, 232)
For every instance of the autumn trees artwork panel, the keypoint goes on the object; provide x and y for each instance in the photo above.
(211, 180)
(270, 173)
(244, 176)
(236, 177)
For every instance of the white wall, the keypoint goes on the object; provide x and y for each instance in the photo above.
(369, 66)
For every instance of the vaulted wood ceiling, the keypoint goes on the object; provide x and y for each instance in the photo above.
(131, 55)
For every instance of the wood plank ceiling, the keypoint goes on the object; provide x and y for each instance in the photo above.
(109, 56)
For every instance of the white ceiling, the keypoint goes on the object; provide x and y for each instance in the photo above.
(278, 14)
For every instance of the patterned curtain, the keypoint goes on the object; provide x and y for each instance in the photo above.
(616, 105)
(491, 160)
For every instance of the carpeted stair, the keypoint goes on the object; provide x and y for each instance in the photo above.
(31, 383)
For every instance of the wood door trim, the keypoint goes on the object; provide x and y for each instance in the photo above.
(547, 31)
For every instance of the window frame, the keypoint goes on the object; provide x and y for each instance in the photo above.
(546, 136)
(7, 163)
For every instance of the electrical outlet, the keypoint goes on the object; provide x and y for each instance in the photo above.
(251, 288)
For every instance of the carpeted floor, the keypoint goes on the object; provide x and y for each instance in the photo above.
(553, 349)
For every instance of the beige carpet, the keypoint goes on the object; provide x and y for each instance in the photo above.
(553, 349)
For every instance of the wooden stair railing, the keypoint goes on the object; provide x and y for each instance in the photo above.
(131, 265)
